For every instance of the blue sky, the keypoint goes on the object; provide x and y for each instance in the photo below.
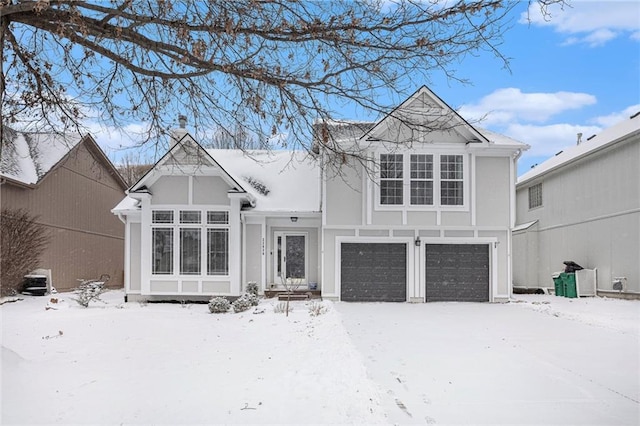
(577, 72)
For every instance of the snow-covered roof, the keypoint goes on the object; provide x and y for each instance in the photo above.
(280, 181)
(27, 157)
(607, 137)
(127, 204)
(501, 140)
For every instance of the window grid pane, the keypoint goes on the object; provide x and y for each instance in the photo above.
(217, 218)
(451, 193)
(421, 166)
(218, 251)
(189, 216)
(421, 192)
(535, 196)
(391, 179)
(189, 251)
(451, 167)
(162, 216)
(162, 256)
(391, 192)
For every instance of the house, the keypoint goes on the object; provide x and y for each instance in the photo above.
(583, 205)
(71, 186)
(420, 208)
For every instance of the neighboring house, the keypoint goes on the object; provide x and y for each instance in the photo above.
(71, 186)
(420, 210)
(583, 205)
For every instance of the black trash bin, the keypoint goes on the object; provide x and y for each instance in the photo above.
(35, 285)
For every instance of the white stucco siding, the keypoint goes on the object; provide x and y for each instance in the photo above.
(253, 254)
(492, 199)
(134, 257)
(343, 197)
(170, 190)
(210, 190)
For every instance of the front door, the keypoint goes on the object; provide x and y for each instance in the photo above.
(290, 258)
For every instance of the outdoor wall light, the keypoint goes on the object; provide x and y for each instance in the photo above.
(294, 218)
(417, 242)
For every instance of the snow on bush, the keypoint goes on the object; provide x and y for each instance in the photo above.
(244, 302)
(317, 308)
(219, 305)
(252, 288)
(89, 290)
(282, 307)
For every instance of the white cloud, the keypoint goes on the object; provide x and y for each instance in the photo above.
(616, 117)
(510, 105)
(546, 141)
(591, 22)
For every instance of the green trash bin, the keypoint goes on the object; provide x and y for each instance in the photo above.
(558, 284)
(569, 280)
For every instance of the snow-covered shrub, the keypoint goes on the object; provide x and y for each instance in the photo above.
(317, 308)
(89, 290)
(219, 305)
(252, 288)
(282, 307)
(244, 302)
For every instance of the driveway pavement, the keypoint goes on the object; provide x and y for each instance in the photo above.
(469, 363)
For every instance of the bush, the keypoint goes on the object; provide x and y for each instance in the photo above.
(317, 308)
(89, 290)
(22, 242)
(252, 288)
(244, 302)
(282, 307)
(219, 305)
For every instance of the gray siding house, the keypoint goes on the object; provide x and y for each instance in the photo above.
(583, 205)
(421, 210)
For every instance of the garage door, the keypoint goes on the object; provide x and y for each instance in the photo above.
(457, 272)
(373, 272)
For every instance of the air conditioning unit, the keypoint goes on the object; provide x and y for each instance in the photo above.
(619, 284)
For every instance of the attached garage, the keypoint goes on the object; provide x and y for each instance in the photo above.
(457, 273)
(373, 272)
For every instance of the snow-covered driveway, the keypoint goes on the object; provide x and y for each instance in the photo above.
(543, 360)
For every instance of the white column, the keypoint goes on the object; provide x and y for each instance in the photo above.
(235, 243)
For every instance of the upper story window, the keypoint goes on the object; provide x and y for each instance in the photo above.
(535, 196)
(432, 180)
(391, 179)
(421, 179)
(451, 180)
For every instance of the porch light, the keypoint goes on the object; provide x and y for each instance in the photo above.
(294, 218)
(417, 242)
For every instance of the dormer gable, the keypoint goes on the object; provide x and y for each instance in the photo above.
(186, 157)
(423, 118)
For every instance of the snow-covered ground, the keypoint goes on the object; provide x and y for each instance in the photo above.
(537, 360)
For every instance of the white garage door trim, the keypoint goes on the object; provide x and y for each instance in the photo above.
(364, 240)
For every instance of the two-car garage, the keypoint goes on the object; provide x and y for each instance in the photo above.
(378, 272)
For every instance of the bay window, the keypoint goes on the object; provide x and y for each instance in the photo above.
(201, 245)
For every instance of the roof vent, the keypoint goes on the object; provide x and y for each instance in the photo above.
(579, 138)
(559, 152)
(635, 115)
(591, 137)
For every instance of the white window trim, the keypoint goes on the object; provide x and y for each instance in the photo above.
(203, 226)
(284, 234)
(436, 206)
(539, 184)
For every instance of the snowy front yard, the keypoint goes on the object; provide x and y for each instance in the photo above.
(541, 360)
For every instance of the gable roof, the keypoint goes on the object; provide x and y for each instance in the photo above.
(445, 113)
(27, 157)
(199, 157)
(617, 133)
